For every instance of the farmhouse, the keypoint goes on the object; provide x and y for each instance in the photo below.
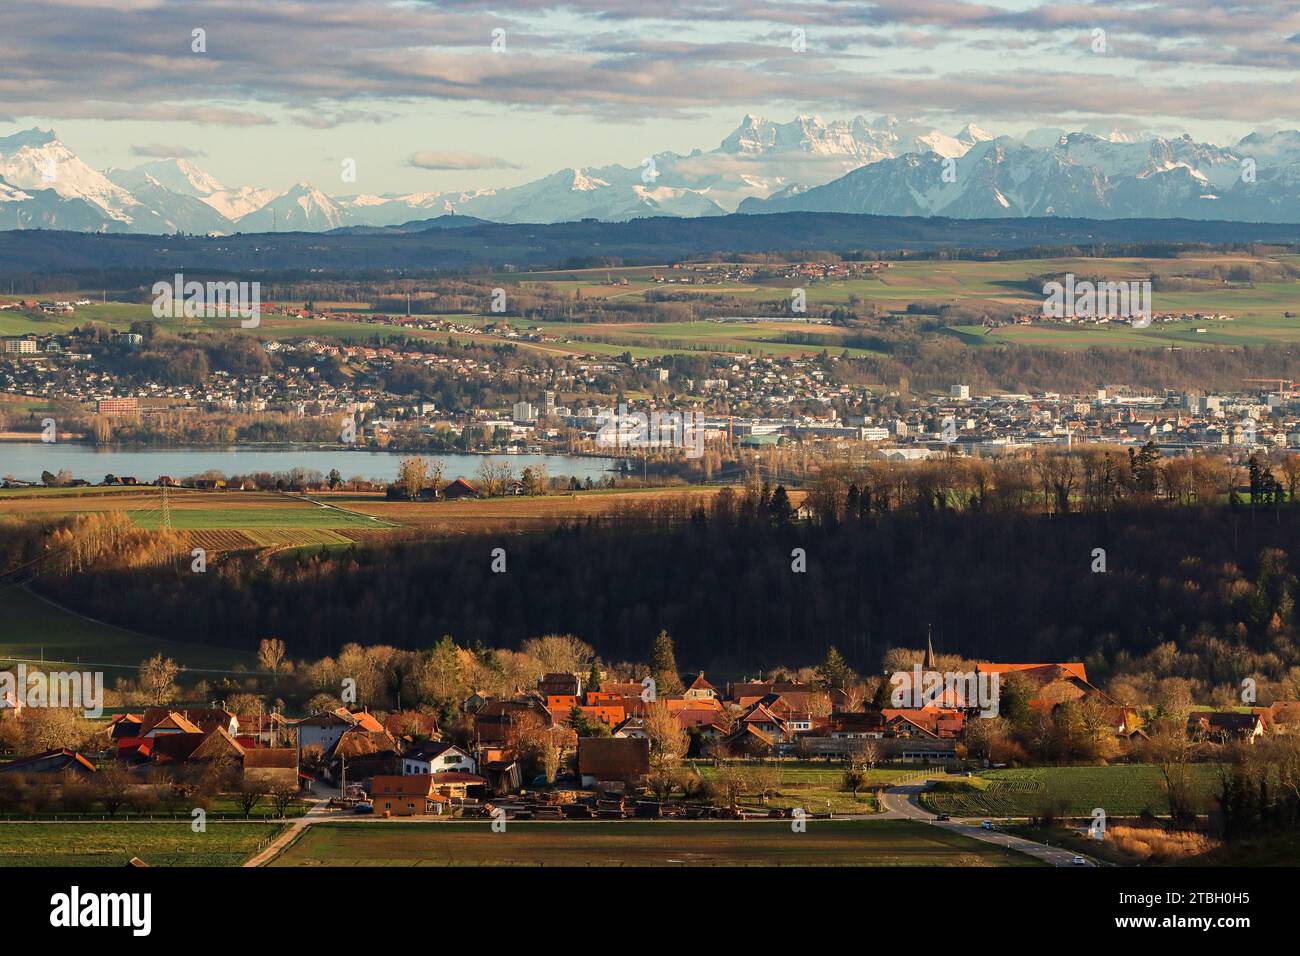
(460, 488)
(748, 740)
(205, 719)
(422, 793)
(362, 753)
(1056, 683)
(1224, 726)
(323, 730)
(437, 758)
(272, 768)
(195, 748)
(58, 760)
(412, 725)
(494, 720)
(613, 760)
(168, 724)
(701, 689)
(560, 685)
(406, 796)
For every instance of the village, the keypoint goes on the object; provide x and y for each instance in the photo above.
(574, 746)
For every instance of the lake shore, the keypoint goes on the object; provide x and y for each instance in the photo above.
(27, 460)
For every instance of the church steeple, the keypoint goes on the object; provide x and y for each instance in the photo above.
(928, 663)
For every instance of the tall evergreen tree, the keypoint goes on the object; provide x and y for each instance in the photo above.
(834, 672)
(782, 510)
(663, 667)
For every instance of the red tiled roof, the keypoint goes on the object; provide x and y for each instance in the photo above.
(271, 758)
(1071, 668)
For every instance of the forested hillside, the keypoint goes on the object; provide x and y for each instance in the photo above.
(1209, 588)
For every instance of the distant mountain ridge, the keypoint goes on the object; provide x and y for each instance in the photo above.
(455, 243)
(888, 166)
(1079, 175)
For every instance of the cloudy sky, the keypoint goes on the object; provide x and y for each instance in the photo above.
(414, 92)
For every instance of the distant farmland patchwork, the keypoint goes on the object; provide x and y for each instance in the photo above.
(1259, 309)
(238, 520)
(215, 521)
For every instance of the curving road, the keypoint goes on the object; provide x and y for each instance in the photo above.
(903, 802)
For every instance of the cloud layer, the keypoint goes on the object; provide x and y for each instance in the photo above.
(321, 63)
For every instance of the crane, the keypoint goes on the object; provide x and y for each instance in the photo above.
(1285, 386)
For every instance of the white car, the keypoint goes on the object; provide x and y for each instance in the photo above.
(988, 825)
(1079, 861)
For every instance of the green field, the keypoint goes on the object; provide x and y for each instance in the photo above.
(113, 844)
(1258, 308)
(817, 786)
(645, 339)
(119, 316)
(304, 516)
(35, 629)
(1121, 790)
(642, 843)
(222, 807)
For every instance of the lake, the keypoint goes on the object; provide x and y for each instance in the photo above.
(26, 460)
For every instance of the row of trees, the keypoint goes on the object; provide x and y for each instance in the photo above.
(115, 789)
(1094, 479)
(492, 478)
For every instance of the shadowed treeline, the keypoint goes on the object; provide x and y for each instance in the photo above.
(1212, 585)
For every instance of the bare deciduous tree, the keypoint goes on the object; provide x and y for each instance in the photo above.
(158, 679)
(668, 740)
(412, 474)
(270, 654)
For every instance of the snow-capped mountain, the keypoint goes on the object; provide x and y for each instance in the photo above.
(395, 209)
(178, 175)
(970, 134)
(166, 210)
(239, 202)
(35, 159)
(304, 208)
(854, 139)
(1052, 173)
(608, 193)
(887, 166)
(1279, 148)
(185, 179)
(46, 209)
(756, 159)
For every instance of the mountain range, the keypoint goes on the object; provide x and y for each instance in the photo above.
(886, 167)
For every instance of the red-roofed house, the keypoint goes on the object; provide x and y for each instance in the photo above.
(700, 688)
(58, 760)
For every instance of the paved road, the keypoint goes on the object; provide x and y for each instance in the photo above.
(903, 803)
(319, 811)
